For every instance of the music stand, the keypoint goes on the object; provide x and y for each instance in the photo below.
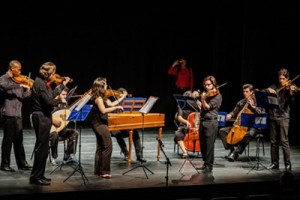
(258, 121)
(80, 113)
(144, 110)
(161, 145)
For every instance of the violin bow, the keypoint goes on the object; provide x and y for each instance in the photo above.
(28, 78)
(223, 84)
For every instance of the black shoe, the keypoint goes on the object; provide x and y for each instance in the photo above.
(26, 167)
(207, 170)
(46, 179)
(288, 167)
(203, 167)
(231, 157)
(273, 166)
(38, 182)
(142, 160)
(231, 150)
(7, 169)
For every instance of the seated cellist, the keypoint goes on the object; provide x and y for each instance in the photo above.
(182, 118)
(244, 134)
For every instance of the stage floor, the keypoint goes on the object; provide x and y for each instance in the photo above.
(154, 179)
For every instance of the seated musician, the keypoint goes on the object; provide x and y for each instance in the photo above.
(184, 124)
(71, 135)
(120, 135)
(247, 104)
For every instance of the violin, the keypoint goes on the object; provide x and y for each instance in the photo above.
(23, 80)
(115, 93)
(59, 79)
(288, 84)
(212, 93)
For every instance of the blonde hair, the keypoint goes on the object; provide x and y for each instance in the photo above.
(47, 69)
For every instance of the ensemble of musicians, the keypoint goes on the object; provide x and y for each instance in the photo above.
(196, 117)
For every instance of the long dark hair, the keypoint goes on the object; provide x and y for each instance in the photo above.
(98, 88)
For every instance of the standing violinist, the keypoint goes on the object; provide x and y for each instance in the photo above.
(43, 102)
(184, 124)
(11, 112)
(102, 105)
(279, 119)
(248, 104)
(211, 100)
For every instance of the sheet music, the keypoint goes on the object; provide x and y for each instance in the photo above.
(148, 105)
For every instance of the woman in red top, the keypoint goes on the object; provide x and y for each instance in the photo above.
(184, 75)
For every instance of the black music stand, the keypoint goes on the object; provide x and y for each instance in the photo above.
(258, 121)
(80, 113)
(161, 145)
(144, 110)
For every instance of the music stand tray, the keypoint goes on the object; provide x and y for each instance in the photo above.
(80, 113)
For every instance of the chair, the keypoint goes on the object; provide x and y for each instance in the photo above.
(50, 153)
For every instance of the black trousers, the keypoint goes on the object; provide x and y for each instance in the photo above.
(42, 125)
(12, 136)
(120, 135)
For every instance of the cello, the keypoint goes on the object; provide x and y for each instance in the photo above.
(192, 137)
(237, 132)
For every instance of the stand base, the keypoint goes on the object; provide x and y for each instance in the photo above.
(61, 165)
(79, 169)
(184, 164)
(256, 167)
(142, 166)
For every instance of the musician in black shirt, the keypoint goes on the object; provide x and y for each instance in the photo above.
(42, 103)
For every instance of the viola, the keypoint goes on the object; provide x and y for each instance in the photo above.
(23, 80)
(59, 79)
(192, 138)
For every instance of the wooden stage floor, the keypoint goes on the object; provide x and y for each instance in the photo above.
(153, 180)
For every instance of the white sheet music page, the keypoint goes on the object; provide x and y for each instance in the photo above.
(148, 105)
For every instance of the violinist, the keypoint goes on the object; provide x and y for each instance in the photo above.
(99, 120)
(11, 112)
(183, 123)
(279, 119)
(43, 102)
(209, 122)
(249, 103)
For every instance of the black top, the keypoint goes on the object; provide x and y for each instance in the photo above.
(43, 96)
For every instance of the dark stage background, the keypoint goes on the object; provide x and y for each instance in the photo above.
(133, 45)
